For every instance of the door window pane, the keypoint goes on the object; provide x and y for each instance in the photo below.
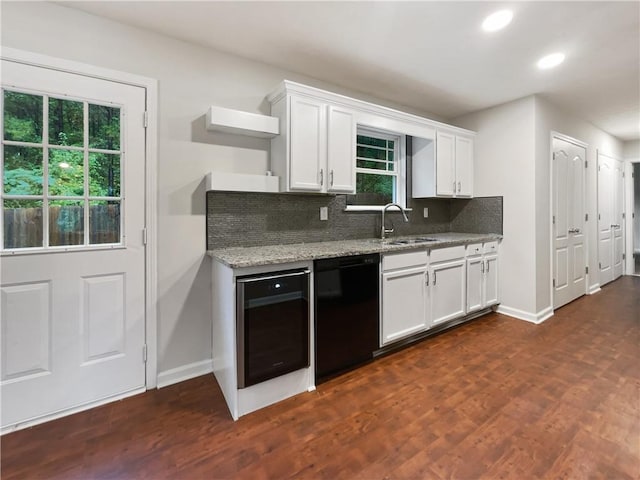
(22, 117)
(104, 127)
(66, 122)
(22, 223)
(66, 222)
(22, 170)
(104, 175)
(66, 173)
(104, 222)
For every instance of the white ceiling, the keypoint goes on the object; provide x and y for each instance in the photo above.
(430, 55)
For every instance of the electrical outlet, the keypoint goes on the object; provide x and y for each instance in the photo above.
(425, 212)
(324, 213)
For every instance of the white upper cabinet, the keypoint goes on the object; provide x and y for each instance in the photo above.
(341, 150)
(315, 151)
(316, 148)
(444, 169)
(307, 144)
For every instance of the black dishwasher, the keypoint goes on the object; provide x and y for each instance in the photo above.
(346, 312)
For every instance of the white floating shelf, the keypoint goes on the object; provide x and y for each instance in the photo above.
(241, 182)
(243, 123)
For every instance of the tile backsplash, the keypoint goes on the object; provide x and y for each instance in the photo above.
(250, 219)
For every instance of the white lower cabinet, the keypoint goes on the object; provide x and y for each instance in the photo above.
(404, 295)
(447, 290)
(482, 276)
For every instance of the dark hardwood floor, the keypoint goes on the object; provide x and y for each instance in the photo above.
(495, 398)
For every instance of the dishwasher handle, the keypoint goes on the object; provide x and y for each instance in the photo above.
(272, 277)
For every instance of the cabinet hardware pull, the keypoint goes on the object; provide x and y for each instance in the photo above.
(487, 266)
(454, 186)
(331, 176)
(434, 278)
(321, 176)
(615, 226)
(459, 187)
(482, 266)
(427, 278)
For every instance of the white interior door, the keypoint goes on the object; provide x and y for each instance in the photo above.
(618, 221)
(569, 262)
(73, 260)
(610, 221)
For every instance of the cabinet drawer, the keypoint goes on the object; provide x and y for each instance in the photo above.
(491, 247)
(474, 249)
(449, 253)
(393, 261)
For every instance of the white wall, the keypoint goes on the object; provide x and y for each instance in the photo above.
(631, 150)
(190, 78)
(550, 118)
(504, 152)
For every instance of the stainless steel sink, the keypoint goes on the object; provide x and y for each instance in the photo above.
(411, 241)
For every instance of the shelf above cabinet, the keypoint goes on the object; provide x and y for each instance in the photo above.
(227, 120)
(241, 182)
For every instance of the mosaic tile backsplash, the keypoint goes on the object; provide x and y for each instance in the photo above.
(251, 219)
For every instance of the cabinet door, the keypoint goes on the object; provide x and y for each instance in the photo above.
(341, 151)
(448, 290)
(491, 280)
(464, 167)
(445, 164)
(475, 277)
(403, 303)
(307, 145)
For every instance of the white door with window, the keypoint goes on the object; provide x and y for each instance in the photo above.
(569, 259)
(72, 279)
(610, 218)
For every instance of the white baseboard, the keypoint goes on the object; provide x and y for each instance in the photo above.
(185, 372)
(536, 318)
(595, 288)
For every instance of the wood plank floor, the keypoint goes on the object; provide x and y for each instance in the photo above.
(496, 398)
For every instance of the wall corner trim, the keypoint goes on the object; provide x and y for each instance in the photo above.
(535, 318)
(184, 372)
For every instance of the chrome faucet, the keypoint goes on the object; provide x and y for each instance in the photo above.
(384, 231)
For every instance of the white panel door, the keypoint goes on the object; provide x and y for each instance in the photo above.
(341, 151)
(308, 154)
(73, 260)
(569, 260)
(445, 164)
(618, 224)
(610, 218)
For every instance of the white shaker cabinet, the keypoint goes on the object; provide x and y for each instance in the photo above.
(443, 170)
(447, 272)
(482, 276)
(315, 151)
(404, 309)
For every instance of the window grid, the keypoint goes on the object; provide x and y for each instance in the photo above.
(45, 147)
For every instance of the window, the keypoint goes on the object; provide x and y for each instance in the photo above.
(76, 146)
(380, 175)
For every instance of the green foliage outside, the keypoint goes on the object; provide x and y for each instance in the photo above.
(23, 165)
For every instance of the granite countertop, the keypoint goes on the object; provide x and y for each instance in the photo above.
(238, 257)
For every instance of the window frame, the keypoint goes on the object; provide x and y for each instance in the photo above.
(400, 161)
(45, 197)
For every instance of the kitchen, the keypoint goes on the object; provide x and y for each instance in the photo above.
(187, 152)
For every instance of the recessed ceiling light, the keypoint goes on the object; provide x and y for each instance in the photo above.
(551, 61)
(497, 20)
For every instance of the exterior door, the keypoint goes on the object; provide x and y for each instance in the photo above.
(73, 259)
(569, 260)
(610, 222)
